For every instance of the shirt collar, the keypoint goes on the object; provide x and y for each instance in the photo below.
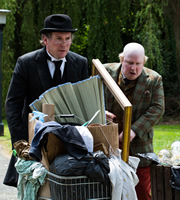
(55, 59)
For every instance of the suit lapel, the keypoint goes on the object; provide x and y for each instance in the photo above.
(71, 68)
(139, 89)
(43, 70)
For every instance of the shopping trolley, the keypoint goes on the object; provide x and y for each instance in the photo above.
(76, 188)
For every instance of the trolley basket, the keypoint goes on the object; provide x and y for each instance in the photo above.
(77, 188)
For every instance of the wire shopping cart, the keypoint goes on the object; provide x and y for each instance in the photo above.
(76, 188)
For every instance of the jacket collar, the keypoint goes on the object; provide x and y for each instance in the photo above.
(43, 69)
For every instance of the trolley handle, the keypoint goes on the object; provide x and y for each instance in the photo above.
(65, 115)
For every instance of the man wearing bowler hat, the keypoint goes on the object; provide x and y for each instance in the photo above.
(36, 72)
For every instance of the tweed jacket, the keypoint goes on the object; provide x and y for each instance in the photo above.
(147, 109)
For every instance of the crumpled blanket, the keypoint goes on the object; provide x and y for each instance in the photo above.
(31, 176)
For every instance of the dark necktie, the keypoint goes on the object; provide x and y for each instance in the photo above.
(57, 72)
(126, 81)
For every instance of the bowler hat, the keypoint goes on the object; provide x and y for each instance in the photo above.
(57, 23)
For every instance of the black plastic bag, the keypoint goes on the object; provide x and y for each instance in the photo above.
(94, 165)
(152, 157)
(98, 168)
(66, 165)
(175, 178)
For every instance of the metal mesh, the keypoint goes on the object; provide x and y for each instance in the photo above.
(77, 188)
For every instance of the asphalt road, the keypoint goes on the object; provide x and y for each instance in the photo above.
(6, 192)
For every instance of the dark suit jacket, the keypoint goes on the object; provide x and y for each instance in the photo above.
(30, 79)
(147, 109)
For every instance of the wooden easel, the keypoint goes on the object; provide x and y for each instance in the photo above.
(121, 99)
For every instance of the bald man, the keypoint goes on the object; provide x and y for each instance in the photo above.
(144, 89)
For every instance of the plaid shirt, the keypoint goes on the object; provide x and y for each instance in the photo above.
(148, 107)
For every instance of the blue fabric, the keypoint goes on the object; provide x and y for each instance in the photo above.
(69, 135)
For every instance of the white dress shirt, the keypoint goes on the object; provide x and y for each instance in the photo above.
(51, 65)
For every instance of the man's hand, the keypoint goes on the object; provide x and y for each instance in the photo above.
(132, 135)
(109, 116)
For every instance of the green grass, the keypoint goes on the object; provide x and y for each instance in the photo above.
(5, 140)
(164, 136)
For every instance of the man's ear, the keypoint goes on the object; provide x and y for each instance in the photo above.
(44, 38)
(145, 59)
(121, 57)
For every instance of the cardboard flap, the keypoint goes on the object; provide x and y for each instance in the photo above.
(106, 134)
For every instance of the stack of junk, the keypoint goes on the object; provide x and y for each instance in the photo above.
(72, 161)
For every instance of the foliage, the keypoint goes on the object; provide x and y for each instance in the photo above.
(104, 35)
(148, 31)
(104, 27)
(8, 51)
(169, 68)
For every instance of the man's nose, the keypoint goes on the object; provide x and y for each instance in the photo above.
(133, 66)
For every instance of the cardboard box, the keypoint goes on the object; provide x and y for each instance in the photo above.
(106, 135)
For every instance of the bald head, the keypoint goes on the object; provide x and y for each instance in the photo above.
(133, 49)
(132, 59)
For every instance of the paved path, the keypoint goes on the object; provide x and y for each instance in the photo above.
(6, 192)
